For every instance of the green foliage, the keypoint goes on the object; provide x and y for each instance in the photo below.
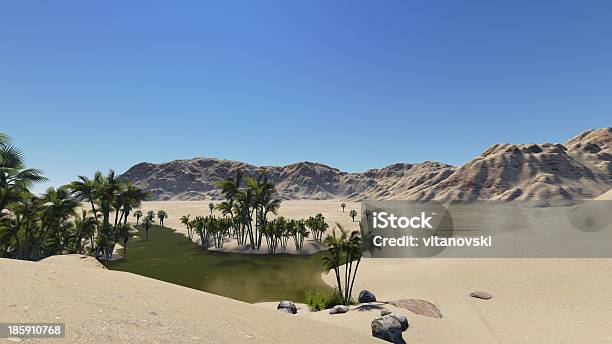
(353, 214)
(321, 299)
(343, 249)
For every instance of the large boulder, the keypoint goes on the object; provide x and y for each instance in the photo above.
(339, 309)
(366, 296)
(388, 328)
(287, 307)
(402, 319)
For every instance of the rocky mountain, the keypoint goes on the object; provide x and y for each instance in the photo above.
(581, 168)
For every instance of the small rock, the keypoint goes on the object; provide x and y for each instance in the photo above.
(384, 312)
(287, 307)
(388, 328)
(339, 309)
(366, 296)
(481, 295)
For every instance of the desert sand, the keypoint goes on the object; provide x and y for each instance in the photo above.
(104, 306)
(534, 300)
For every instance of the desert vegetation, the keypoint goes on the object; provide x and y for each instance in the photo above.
(36, 226)
(245, 216)
(343, 248)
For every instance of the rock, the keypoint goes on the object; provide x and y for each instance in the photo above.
(419, 307)
(388, 328)
(481, 295)
(366, 296)
(384, 312)
(287, 307)
(339, 309)
(402, 319)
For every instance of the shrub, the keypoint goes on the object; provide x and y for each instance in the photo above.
(320, 299)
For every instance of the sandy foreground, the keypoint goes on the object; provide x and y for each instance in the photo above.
(534, 301)
(104, 306)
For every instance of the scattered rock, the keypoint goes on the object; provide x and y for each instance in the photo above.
(287, 307)
(481, 295)
(384, 312)
(366, 296)
(419, 307)
(339, 309)
(388, 328)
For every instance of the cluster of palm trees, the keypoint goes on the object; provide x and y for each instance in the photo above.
(248, 206)
(344, 249)
(245, 211)
(209, 227)
(36, 226)
(279, 230)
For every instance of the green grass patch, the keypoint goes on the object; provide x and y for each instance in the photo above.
(319, 299)
(169, 256)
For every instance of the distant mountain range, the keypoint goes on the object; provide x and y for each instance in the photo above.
(581, 168)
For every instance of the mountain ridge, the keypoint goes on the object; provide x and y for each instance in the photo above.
(579, 168)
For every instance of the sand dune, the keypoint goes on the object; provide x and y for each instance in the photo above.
(103, 306)
(534, 300)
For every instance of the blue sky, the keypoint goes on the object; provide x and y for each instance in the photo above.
(354, 84)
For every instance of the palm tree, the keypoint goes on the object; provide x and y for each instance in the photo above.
(161, 215)
(107, 191)
(265, 203)
(211, 206)
(353, 214)
(14, 176)
(27, 210)
(131, 198)
(60, 207)
(343, 205)
(85, 229)
(125, 232)
(335, 245)
(146, 223)
(348, 246)
(138, 215)
(185, 220)
(367, 213)
(84, 189)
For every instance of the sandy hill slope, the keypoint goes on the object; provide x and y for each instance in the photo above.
(579, 169)
(534, 300)
(104, 306)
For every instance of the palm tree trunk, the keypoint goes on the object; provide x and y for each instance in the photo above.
(354, 274)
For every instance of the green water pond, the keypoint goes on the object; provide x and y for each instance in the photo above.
(169, 256)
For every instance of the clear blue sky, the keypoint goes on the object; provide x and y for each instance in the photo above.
(90, 85)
